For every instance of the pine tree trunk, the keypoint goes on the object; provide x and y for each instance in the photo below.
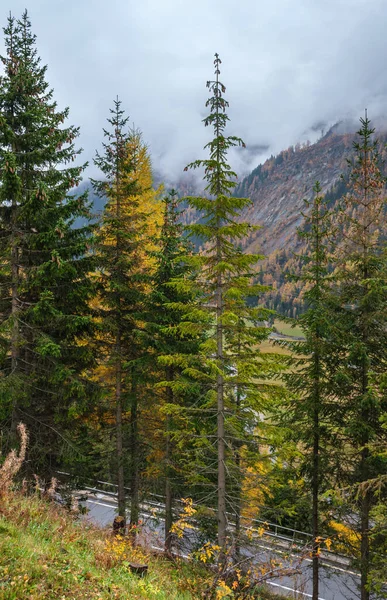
(365, 500)
(365, 507)
(238, 491)
(315, 506)
(168, 502)
(238, 508)
(316, 426)
(14, 310)
(14, 283)
(316, 476)
(168, 483)
(119, 433)
(134, 455)
(222, 520)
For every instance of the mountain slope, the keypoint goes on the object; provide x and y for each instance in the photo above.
(279, 186)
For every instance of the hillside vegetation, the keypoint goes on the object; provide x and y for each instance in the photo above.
(46, 554)
(50, 552)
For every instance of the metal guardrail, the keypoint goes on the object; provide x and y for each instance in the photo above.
(276, 527)
(294, 537)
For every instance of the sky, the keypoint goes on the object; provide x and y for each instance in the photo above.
(289, 66)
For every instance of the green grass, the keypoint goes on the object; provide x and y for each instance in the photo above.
(46, 554)
(287, 329)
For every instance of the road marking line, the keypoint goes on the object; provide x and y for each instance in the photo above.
(102, 504)
(284, 587)
(144, 514)
(329, 566)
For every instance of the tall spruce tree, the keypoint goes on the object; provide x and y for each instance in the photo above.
(362, 314)
(226, 279)
(44, 256)
(175, 350)
(311, 411)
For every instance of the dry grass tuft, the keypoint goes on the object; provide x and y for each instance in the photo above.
(52, 489)
(13, 461)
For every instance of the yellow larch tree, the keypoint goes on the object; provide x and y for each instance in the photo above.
(127, 235)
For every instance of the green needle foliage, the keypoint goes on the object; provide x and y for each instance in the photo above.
(44, 258)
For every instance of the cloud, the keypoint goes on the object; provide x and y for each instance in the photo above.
(287, 66)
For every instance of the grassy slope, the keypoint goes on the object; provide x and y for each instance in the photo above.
(287, 329)
(46, 554)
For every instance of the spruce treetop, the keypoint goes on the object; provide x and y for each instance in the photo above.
(114, 159)
(31, 126)
(217, 172)
(220, 227)
(366, 199)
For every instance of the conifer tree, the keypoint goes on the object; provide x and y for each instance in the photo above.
(123, 279)
(174, 349)
(44, 257)
(310, 411)
(361, 316)
(226, 279)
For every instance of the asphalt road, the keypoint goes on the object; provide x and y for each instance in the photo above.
(336, 583)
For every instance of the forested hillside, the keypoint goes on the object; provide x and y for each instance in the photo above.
(278, 189)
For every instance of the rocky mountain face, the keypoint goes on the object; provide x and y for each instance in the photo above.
(279, 186)
(277, 190)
